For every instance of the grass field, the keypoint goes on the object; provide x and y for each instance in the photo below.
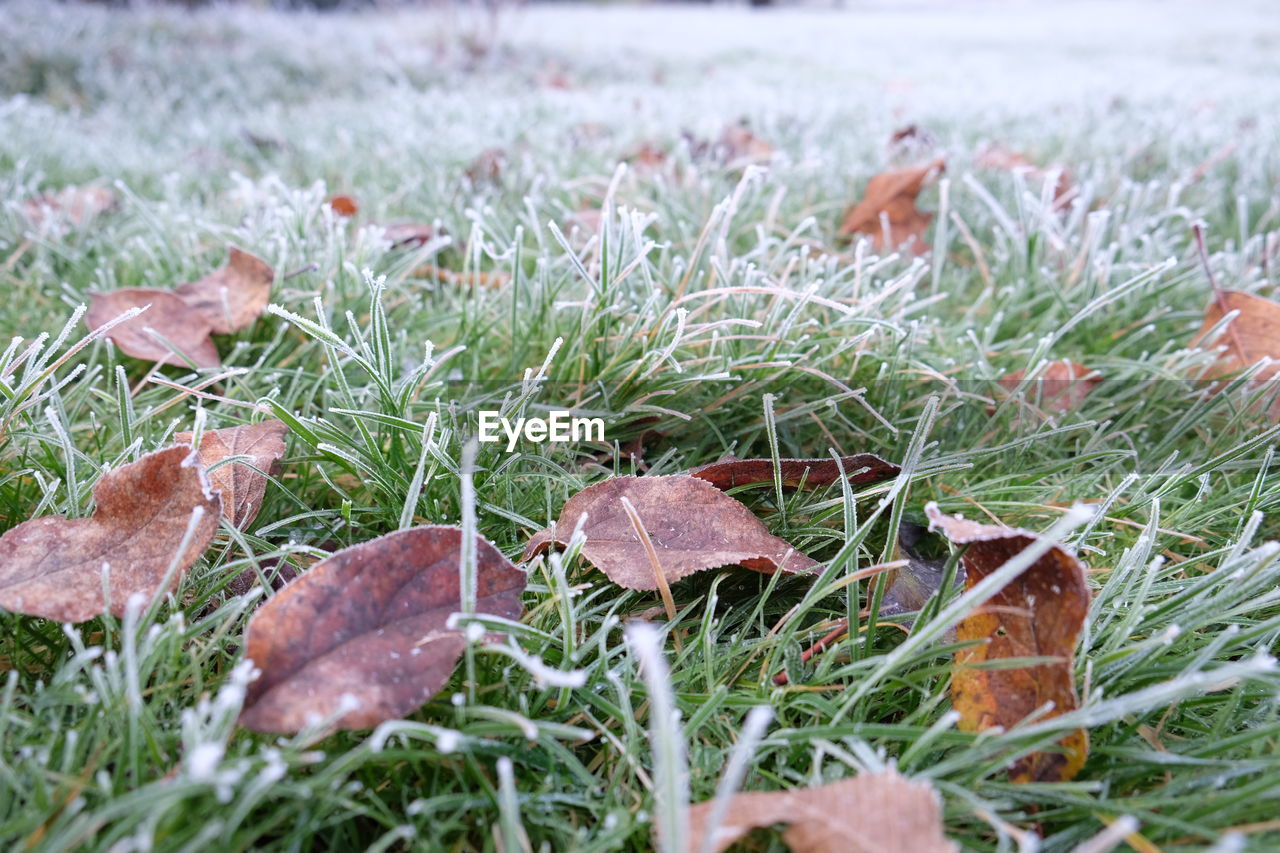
(711, 296)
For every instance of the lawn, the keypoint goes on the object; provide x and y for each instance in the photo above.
(701, 302)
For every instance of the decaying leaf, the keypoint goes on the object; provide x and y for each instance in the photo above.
(232, 296)
(167, 314)
(241, 486)
(344, 205)
(53, 566)
(1061, 387)
(492, 280)
(860, 468)
(1039, 615)
(869, 813)
(692, 525)
(999, 157)
(893, 196)
(363, 635)
(74, 205)
(915, 583)
(1251, 336)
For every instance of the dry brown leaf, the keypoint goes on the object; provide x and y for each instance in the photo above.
(814, 473)
(344, 205)
(999, 157)
(492, 280)
(488, 166)
(869, 813)
(75, 205)
(53, 566)
(1040, 614)
(647, 157)
(692, 525)
(738, 144)
(1061, 387)
(242, 487)
(1252, 335)
(366, 630)
(233, 296)
(894, 195)
(405, 234)
(168, 315)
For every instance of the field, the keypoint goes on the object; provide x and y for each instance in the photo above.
(700, 300)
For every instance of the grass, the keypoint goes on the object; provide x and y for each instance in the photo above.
(713, 298)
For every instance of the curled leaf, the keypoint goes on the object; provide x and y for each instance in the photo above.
(869, 813)
(54, 566)
(364, 636)
(891, 197)
(691, 524)
(166, 314)
(232, 296)
(241, 486)
(813, 473)
(1038, 615)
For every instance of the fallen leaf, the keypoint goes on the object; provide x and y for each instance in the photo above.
(814, 473)
(167, 314)
(999, 157)
(647, 157)
(344, 205)
(1039, 614)
(241, 486)
(892, 194)
(233, 296)
(366, 630)
(74, 205)
(738, 144)
(1251, 336)
(408, 234)
(1061, 387)
(53, 566)
(492, 280)
(692, 525)
(912, 585)
(488, 166)
(868, 813)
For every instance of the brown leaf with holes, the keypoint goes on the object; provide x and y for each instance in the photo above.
(859, 469)
(241, 486)
(999, 157)
(344, 205)
(1251, 336)
(1061, 387)
(73, 205)
(54, 566)
(692, 525)
(166, 314)
(892, 194)
(233, 296)
(363, 636)
(1039, 614)
(868, 813)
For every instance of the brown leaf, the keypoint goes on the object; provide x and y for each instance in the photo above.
(492, 280)
(233, 296)
(692, 524)
(869, 813)
(915, 583)
(488, 166)
(344, 205)
(53, 566)
(814, 473)
(647, 157)
(999, 157)
(242, 488)
(75, 205)
(167, 314)
(1039, 614)
(894, 195)
(738, 144)
(1252, 335)
(369, 622)
(405, 234)
(1061, 387)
